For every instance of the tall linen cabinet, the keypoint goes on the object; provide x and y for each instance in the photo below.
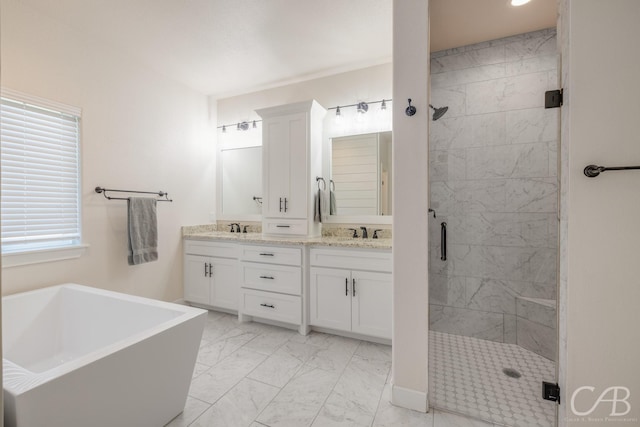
(291, 161)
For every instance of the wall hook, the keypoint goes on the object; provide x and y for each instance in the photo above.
(411, 110)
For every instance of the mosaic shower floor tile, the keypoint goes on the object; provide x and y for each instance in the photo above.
(466, 377)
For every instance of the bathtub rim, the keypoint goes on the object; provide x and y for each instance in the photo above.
(19, 380)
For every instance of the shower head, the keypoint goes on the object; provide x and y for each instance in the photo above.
(438, 112)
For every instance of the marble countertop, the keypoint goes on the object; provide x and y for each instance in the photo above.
(314, 241)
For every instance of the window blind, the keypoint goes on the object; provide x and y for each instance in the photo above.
(39, 154)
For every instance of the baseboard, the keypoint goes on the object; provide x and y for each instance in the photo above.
(410, 399)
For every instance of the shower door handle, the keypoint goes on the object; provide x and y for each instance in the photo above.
(443, 241)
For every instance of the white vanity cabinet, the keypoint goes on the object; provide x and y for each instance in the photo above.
(351, 291)
(211, 274)
(271, 279)
(291, 159)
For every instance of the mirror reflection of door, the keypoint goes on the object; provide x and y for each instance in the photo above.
(242, 181)
(361, 171)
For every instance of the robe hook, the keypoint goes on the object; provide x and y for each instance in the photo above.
(411, 110)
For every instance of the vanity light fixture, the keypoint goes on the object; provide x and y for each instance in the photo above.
(244, 125)
(519, 2)
(362, 107)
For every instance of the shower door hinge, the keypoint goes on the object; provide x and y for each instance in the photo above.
(551, 392)
(553, 98)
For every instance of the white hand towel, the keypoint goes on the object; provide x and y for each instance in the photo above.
(143, 230)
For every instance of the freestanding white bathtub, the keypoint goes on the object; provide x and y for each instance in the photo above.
(76, 356)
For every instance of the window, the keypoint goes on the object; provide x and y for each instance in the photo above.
(40, 199)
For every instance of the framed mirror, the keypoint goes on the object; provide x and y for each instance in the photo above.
(240, 180)
(361, 171)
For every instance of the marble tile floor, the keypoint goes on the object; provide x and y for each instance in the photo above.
(257, 375)
(466, 377)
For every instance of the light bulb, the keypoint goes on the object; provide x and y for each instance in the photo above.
(338, 115)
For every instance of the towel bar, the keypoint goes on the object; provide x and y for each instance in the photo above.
(102, 190)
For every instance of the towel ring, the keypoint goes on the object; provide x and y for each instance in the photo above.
(332, 185)
(324, 183)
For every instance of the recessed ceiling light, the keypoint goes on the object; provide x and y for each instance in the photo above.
(519, 2)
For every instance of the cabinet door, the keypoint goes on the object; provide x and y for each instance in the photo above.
(196, 284)
(372, 303)
(285, 166)
(224, 283)
(330, 299)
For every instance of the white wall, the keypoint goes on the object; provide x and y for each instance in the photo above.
(600, 226)
(367, 84)
(139, 131)
(410, 204)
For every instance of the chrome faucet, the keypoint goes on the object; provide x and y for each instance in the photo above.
(364, 232)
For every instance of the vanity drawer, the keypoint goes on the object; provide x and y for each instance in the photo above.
(274, 278)
(272, 255)
(356, 259)
(208, 248)
(282, 308)
(288, 227)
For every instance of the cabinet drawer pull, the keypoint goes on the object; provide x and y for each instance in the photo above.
(353, 285)
(285, 204)
(280, 204)
(206, 270)
(210, 270)
(267, 305)
(283, 226)
(266, 254)
(267, 277)
(346, 286)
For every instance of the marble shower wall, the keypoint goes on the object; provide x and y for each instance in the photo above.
(493, 173)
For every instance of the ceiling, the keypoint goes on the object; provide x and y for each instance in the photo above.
(456, 23)
(226, 47)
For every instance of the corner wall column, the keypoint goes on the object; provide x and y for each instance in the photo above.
(410, 204)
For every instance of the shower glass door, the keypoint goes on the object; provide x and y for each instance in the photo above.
(493, 181)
